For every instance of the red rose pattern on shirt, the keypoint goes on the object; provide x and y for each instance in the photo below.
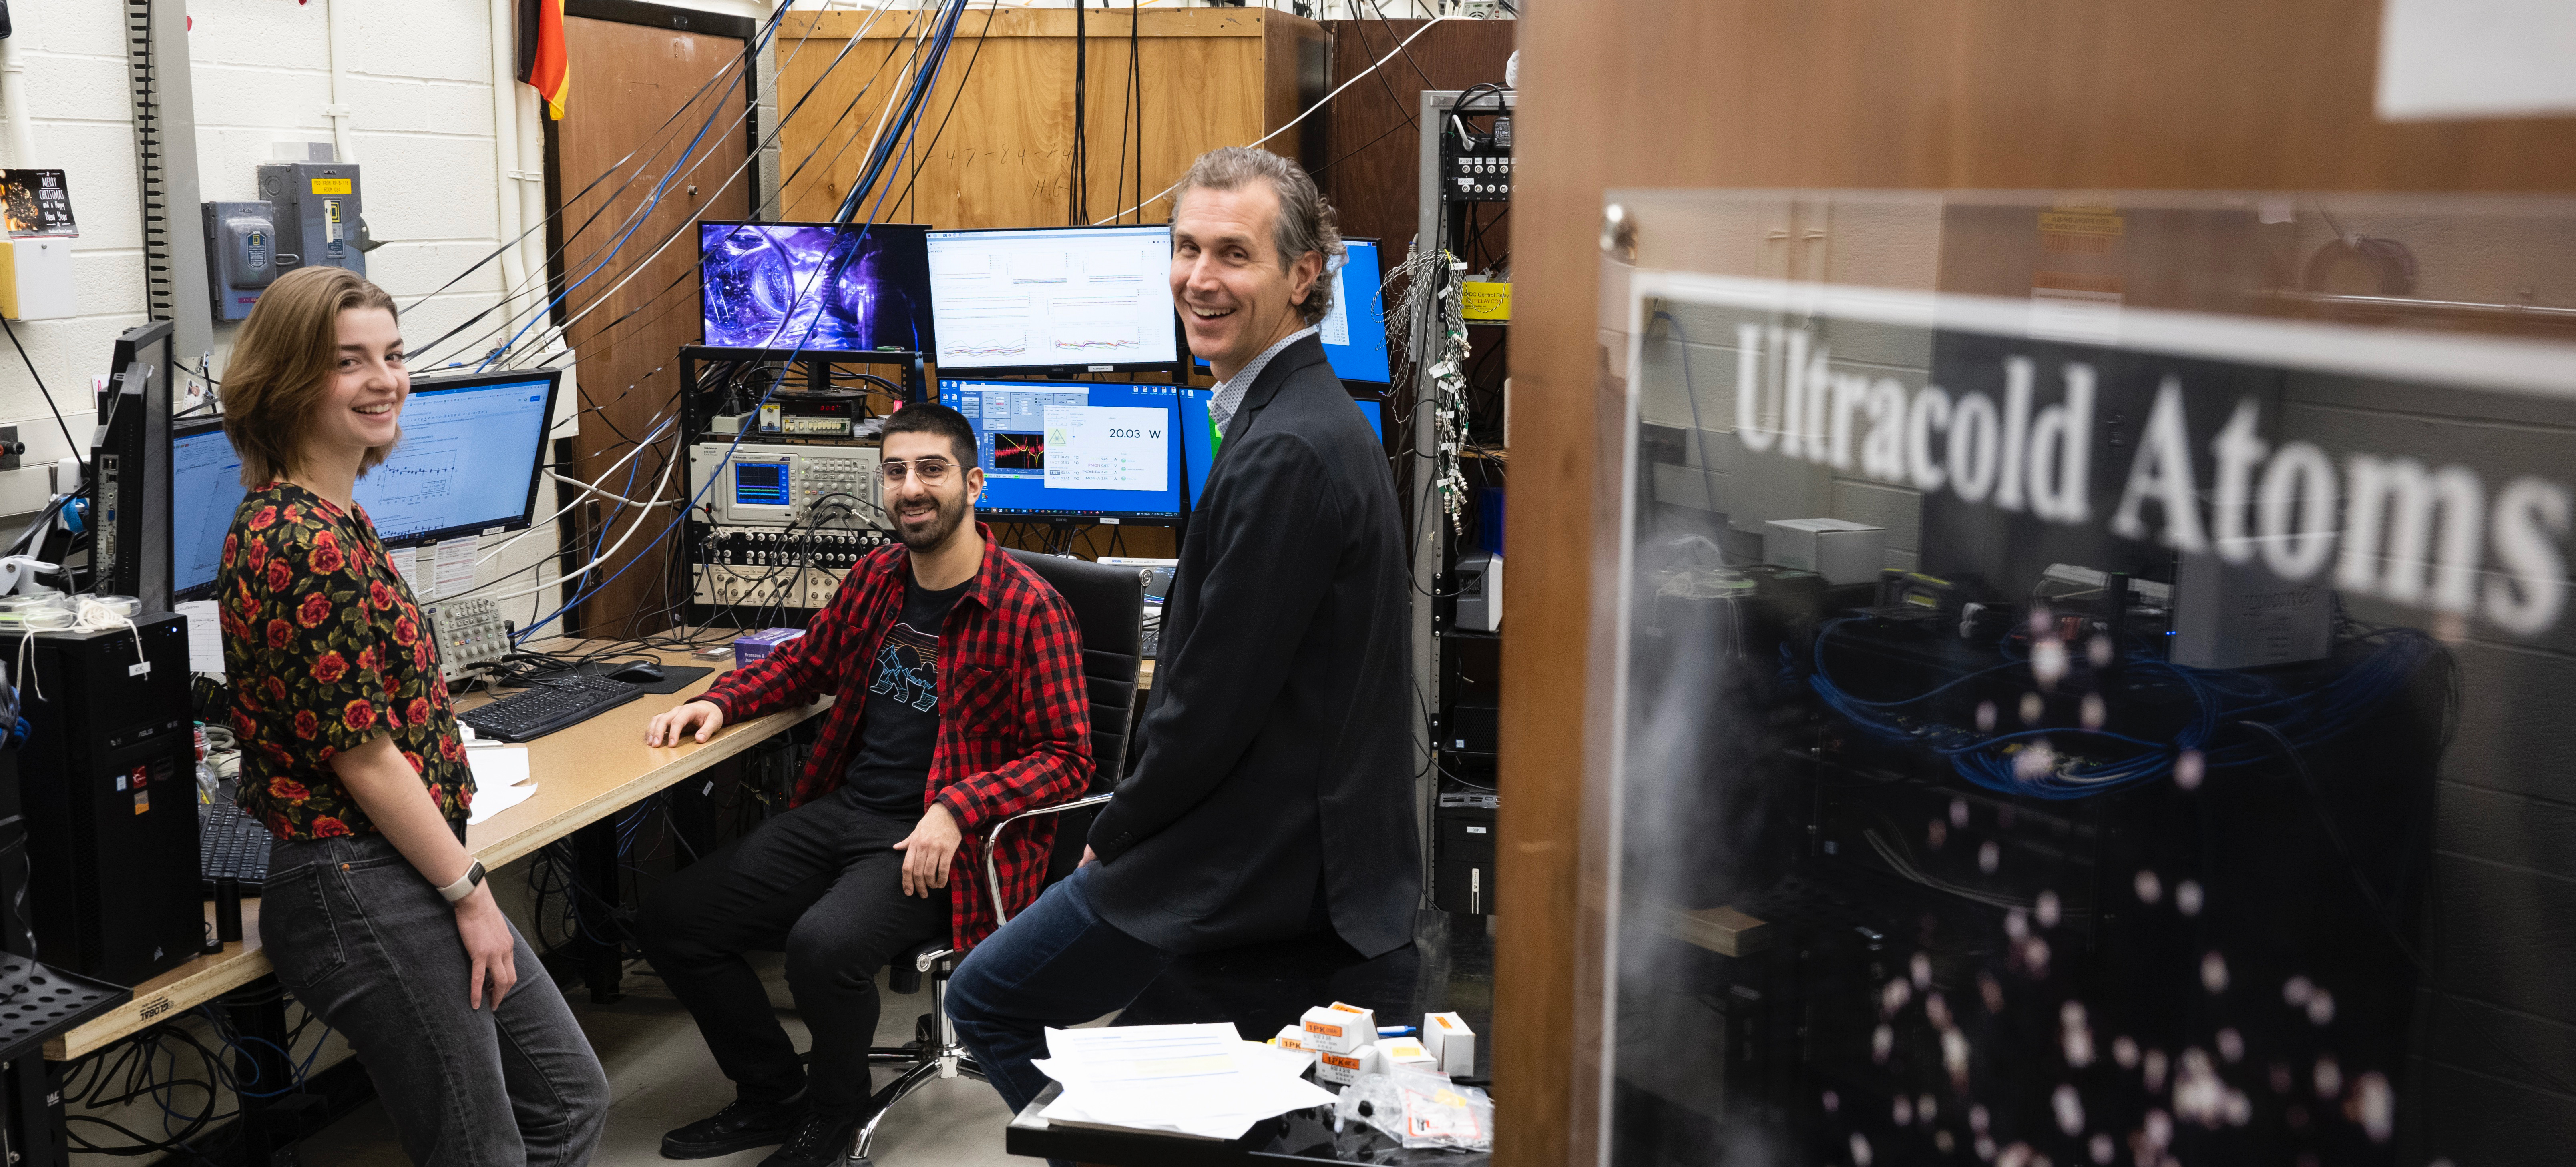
(322, 641)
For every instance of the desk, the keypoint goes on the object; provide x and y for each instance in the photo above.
(1261, 988)
(584, 775)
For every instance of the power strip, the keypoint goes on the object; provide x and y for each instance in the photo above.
(468, 632)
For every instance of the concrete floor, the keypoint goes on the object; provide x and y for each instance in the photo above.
(661, 1076)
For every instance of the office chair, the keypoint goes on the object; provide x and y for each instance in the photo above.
(1108, 606)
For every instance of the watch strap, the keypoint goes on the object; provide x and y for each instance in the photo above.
(465, 884)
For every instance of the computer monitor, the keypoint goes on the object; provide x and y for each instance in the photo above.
(467, 463)
(1354, 331)
(1073, 449)
(129, 487)
(1199, 439)
(844, 286)
(1095, 299)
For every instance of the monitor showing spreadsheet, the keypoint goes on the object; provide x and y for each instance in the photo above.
(1088, 298)
(1074, 449)
(467, 463)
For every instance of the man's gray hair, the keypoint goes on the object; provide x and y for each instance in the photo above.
(1306, 222)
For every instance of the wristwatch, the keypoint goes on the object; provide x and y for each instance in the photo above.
(465, 884)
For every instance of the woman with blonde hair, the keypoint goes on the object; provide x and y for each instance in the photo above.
(374, 915)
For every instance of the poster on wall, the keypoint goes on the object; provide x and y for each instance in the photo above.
(2086, 688)
(37, 202)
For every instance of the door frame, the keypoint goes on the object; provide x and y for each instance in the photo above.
(572, 529)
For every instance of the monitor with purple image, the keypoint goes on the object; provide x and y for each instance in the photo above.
(839, 286)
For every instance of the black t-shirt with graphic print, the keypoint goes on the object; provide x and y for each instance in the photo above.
(899, 725)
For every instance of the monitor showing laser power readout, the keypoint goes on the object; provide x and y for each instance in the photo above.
(1353, 330)
(1199, 440)
(846, 286)
(1065, 449)
(1090, 298)
(467, 463)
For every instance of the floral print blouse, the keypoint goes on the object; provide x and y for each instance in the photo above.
(325, 649)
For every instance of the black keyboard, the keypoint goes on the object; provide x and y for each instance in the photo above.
(1153, 642)
(231, 845)
(549, 706)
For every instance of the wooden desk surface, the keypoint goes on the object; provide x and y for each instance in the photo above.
(583, 774)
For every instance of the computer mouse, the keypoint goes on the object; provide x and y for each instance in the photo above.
(642, 672)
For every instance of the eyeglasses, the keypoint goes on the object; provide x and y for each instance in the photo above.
(931, 471)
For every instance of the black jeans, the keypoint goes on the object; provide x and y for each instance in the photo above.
(824, 883)
(369, 946)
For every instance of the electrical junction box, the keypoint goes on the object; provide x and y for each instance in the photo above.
(317, 207)
(241, 255)
(36, 279)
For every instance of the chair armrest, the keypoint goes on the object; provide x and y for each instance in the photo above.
(993, 868)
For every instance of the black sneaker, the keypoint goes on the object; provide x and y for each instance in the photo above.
(818, 1142)
(740, 1126)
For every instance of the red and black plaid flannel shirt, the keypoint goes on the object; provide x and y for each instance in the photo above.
(1014, 721)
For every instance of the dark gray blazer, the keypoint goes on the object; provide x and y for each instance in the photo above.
(1278, 743)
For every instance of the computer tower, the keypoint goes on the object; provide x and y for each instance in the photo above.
(107, 780)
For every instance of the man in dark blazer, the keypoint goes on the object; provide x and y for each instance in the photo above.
(1274, 797)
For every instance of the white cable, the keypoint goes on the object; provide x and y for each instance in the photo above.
(603, 298)
(588, 489)
(650, 437)
(512, 319)
(1292, 122)
(603, 556)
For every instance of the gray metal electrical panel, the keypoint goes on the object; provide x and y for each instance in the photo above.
(318, 206)
(241, 255)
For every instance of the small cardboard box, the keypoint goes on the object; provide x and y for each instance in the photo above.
(1343, 1069)
(1447, 1038)
(753, 647)
(1404, 1051)
(1293, 1039)
(1841, 551)
(1339, 1028)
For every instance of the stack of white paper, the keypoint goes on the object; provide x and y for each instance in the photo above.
(500, 779)
(1197, 1081)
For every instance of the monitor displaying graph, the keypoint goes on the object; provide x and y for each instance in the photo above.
(467, 463)
(1094, 298)
(1073, 449)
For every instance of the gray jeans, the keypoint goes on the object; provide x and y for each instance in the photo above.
(369, 946)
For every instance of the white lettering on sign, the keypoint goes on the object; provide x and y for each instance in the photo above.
(2390, 526)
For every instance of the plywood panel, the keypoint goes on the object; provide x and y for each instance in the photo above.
(633, 301)
(2178, 94)
(994, 147)
(1371, 170)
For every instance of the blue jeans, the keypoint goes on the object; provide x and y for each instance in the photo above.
(1057, 964)
(369, 946)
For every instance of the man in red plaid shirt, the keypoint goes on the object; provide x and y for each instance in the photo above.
(959, 678)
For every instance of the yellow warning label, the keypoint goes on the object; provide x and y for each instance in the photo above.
(2072, 223)
(1487, 301)
(331, 186)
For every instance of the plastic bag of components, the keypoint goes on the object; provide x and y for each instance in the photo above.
(1420, 1109)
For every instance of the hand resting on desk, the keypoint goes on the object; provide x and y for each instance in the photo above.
(706, 717)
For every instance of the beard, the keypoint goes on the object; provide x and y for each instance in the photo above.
(944, 521)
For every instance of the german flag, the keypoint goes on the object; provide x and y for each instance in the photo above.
(541, 53)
